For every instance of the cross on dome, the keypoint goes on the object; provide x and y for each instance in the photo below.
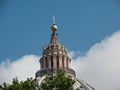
(54, 26)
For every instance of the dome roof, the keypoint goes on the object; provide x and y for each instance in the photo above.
(55, 57)
(54, 47)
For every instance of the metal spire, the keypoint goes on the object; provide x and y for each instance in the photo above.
(54, 38)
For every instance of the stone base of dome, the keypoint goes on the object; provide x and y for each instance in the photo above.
(50, 72)
(78, 85)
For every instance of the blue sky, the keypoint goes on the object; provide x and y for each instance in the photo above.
(25, 24)
(83, 26)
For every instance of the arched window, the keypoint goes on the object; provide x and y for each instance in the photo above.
(67, 62)
(46, 62)
(57, 61)
(51, 61)
(63, 61)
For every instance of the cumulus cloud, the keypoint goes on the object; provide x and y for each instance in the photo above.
(22, 68)
(100, 66)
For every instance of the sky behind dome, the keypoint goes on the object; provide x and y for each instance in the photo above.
(90, 29)
(25, 24)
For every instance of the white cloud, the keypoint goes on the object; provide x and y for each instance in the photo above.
(100, 66)
(22, 68)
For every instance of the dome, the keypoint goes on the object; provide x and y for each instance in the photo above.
(55, 57)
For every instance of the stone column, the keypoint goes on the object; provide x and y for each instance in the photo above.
(65, 62)
(60, 61)
(49, 62)
(54, 62)
(43, 62)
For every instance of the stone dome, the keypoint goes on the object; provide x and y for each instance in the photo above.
(55, 57)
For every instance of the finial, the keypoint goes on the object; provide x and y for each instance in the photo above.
(54, 26)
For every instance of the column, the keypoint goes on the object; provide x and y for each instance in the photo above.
(43, 62)
(49, 62)
(54, 61)
(60, 61)
(65, 64)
